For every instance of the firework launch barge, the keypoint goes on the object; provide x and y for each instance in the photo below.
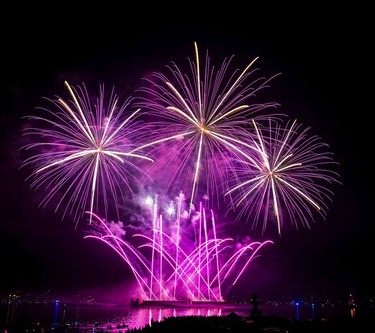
(177, 303)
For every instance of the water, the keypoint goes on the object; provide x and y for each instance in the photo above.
(114, 318)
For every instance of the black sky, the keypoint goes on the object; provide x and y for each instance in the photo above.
(323, 55)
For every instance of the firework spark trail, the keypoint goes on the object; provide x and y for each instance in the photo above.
(292, 172)
(183, 276)
(161, 252)
(217, 253)
(83, 150)
(200, 270)
(206, 248)
(134, 258)
(178, 221)
(119, 246)
(202, 119)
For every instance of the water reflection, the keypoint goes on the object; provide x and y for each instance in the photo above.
(298, 315)
(140, 317)
(313, 311)
(113, 318)
(55, 313)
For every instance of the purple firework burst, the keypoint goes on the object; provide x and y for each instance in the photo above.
(81, 151)
(288, 178)
(201, 121)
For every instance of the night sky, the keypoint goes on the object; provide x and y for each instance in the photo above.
(324, 59)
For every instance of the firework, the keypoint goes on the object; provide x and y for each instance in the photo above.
(201, 121)
(81, 153)
(170, 264)
(288, 179)
(203, 129)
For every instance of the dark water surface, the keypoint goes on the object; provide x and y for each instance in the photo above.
(120, 318)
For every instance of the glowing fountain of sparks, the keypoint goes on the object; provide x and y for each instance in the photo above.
(180, 268)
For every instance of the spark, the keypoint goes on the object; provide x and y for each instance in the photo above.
(176, 267)
(83, 149)
(202, 119)
(291, 175)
